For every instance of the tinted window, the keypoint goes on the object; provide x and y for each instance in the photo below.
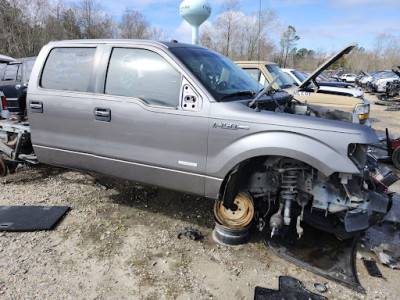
(11, 72)
(143, 74)
(68, 69)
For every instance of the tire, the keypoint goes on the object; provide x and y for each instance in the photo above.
(230, 236)
(396, 158)
(3, 167)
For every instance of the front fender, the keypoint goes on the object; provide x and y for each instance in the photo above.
(321, 156)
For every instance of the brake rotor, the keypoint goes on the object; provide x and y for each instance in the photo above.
(238, 218)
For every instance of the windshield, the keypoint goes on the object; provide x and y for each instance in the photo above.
(284, 81)
(300, 76)
(222, 78)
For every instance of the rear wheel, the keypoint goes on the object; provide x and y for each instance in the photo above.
(235, 219)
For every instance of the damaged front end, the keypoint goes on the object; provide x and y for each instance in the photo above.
(345, 204)
(287, 192)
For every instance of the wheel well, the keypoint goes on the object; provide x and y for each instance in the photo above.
(237, 177)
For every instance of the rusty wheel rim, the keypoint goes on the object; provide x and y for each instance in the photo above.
(235, 219)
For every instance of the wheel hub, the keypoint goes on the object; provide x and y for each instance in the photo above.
(238, 218)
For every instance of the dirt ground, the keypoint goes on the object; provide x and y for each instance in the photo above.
(121, 243)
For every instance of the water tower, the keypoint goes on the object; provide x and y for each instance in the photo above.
(195, 12)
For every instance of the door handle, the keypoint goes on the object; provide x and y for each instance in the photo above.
(102, 114)
(36, 106)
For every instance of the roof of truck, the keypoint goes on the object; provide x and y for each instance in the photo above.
(170, 44)
(262, 62)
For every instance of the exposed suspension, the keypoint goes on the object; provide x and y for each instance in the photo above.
(288, 193)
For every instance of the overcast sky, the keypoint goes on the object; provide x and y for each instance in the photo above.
(321, 24)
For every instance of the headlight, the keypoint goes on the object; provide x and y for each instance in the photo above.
(362, 110)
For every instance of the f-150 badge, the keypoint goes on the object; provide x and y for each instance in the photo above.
(231, 126)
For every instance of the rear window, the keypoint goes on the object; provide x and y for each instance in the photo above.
(68, 69)
(254, 73)
(11, 72)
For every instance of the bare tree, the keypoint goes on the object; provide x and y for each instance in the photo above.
(239, 36)
(12, 29)
(255, 33)
(155, 33)
(383, 56)
(227, 23)
(93, 21)
(133, 25)
(70, 23)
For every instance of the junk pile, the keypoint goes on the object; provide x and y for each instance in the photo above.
(383, 239)
(392, 103)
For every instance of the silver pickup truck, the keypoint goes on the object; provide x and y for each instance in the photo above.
(186, 118)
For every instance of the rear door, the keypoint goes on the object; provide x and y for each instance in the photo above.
(151, 124)
(60, 107)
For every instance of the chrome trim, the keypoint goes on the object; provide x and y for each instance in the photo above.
(187, 163)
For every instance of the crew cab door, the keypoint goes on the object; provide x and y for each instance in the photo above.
(60, 108)
(151, 124)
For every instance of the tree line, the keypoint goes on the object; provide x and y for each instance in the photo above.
(249, 37)
(27, 25)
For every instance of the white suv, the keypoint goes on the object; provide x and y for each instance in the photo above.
(348, 77)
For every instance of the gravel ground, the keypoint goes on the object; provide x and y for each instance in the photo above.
(121, 243)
